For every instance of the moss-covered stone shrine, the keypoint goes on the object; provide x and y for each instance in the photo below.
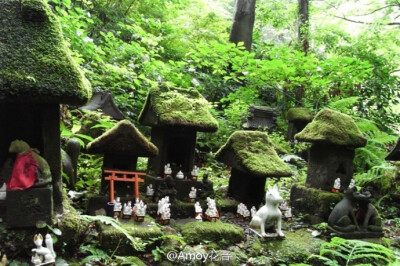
(121, 146)
(175, 115)
(252, 157)
(334, 136)
(298, 118)
(37, 74)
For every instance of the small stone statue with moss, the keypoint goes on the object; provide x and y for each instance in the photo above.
(29, 168)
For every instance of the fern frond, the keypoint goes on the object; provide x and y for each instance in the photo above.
(354, 252)
(136, 242)
(344, 105)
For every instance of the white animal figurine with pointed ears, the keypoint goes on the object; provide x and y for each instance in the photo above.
(43, 255)
(269, 216)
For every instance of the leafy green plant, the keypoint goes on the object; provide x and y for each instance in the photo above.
(89, 173)
(341, 251)
(135, 242)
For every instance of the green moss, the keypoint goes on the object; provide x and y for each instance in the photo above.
(111, 237)
(36, 63)
(332, 127)
(295, 248)
(224, 233)
(123, 138)
(313, 201)
(71, 226)
(255, 153)
(299, 114)
(177, 106)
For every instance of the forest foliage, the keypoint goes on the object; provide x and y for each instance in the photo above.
(127, 46)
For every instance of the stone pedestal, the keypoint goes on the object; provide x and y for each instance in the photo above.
(26, 207)
(317, 203)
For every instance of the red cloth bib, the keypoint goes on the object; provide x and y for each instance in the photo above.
(24, 172)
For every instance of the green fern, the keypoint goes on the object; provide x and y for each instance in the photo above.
(136, 242)
(375, 151)
(344, 105)
(341, 251)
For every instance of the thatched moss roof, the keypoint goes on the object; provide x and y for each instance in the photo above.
(252, 152)
(35, 62)
(167, 106)
(299, 114)
(394, 155)
(332, 127)
(123, 138)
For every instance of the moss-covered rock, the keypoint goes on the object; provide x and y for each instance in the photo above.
(171, 106)
(332, 127)
(36, 63)
(224, 233)
(72, 228)
(111, 238)
(313, 201)
(299, 114)
(252, 152)
(295, 248)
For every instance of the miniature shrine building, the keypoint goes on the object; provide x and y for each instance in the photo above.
(394, 154)
(260, 117)
(252, 157)
(175, 115)
(298, 118)
(334, 136)
(103, 100)
(121, 146)
(37, 74)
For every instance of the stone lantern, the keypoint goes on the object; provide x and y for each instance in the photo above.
(37, 74)
(252, 157)
(334, 137)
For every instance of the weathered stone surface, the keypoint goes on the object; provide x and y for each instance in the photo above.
(196, 232)
(328, 162)
(313, 201)
(110, 238)
(26, 207)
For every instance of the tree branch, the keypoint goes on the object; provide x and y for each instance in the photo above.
(367, 23)
(376, 10)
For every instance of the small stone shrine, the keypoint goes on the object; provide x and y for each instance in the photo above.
(37, 74)
(103, 100)
(298, 118)
(334, 136)
(253, 158)
(175, 115)
(260, 117)
(121, 146)
(394, 154)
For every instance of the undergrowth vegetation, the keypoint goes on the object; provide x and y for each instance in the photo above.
(127, 47)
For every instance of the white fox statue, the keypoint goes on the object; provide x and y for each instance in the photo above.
(269, 216)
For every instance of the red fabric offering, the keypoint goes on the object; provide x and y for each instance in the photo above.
(24, 172)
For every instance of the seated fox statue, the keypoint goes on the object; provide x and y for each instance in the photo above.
(269, 217)
(29, 169)
(355, 214)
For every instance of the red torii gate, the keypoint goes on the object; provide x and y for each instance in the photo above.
(126, 177)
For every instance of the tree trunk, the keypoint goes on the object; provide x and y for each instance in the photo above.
(303, 24)
(243, 23)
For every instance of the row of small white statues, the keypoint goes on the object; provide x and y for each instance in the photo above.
(180, 175)
(337, 184)
(150, 192)
(211, 212)
(139, 208)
